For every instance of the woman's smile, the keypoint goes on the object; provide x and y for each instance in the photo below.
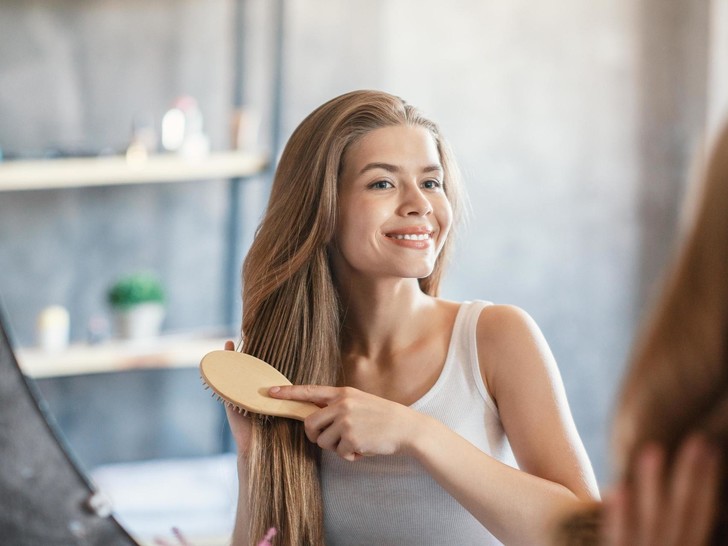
(416, 238)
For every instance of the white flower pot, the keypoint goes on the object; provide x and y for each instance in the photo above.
(140, 321)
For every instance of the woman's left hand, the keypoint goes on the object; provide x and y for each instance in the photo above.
(667, 507)
(354, 423)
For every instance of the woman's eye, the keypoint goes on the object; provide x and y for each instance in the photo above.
(432, 184)
(381, 185)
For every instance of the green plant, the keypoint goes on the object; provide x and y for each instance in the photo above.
(135, 289)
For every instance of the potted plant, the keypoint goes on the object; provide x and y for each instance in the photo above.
(138, 304)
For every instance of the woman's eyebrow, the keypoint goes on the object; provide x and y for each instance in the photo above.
(433, 168)
(395, 169)
(384, 166)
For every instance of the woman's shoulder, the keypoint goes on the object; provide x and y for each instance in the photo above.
(504, 328)
(496, 321)
(508, 340)
(499, 318)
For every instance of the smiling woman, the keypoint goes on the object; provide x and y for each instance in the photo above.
(420, 398)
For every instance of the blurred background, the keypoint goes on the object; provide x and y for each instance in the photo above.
(576, 124)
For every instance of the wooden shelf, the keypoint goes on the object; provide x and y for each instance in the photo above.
(114, 170)
(171, 351)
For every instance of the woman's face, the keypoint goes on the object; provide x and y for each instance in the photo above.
(394, 216)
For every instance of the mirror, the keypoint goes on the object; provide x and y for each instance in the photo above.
(573, 126)
(47, 498)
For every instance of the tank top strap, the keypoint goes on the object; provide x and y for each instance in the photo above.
(466, 342)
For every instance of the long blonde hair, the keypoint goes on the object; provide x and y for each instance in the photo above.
(291, 311)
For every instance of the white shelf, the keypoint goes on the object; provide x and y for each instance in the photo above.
(172, 351)
(113, 170)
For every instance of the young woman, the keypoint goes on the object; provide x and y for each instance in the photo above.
(671, 427)
(422, 400)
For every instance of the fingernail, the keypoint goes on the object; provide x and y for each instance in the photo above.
(274, 390)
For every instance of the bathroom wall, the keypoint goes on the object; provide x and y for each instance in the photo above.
(574, 124)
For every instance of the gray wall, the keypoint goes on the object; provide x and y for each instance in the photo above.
(573, 123)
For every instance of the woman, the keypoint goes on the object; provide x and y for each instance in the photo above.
(671, 426)
(422, 399)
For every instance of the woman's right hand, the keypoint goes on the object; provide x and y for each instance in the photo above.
(239, 424)
(354, 423)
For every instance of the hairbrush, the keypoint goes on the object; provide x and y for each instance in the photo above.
(241, 381)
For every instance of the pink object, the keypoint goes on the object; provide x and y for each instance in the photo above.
(268, 537)
(182, 541)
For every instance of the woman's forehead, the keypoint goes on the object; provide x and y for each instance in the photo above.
(411, 147)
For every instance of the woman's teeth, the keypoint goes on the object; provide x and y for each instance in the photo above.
(413, 236)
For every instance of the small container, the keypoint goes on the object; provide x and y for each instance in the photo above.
(53, 328)
(182, 129)
(142, 321)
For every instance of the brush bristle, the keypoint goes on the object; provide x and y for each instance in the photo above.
(235, 407)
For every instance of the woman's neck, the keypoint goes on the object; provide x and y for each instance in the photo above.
(382, 316)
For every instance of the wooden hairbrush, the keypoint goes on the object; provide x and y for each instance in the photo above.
(242, 381)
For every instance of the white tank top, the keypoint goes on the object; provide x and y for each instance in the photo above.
(392, 500)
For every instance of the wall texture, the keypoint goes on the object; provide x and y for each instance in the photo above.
(573, 122)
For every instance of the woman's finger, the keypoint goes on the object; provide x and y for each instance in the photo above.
(323, 430)
(329, 439)
(319, 420)
(705, 480)
(681, 491)
(229, 345)
(647, 496)
(347, 451)
(241, 429)
(616, 524)
(318, 394)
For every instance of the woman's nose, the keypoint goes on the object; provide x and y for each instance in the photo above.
(415, 203)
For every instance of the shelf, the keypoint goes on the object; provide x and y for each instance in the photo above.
(114, 170)
(171, 351)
